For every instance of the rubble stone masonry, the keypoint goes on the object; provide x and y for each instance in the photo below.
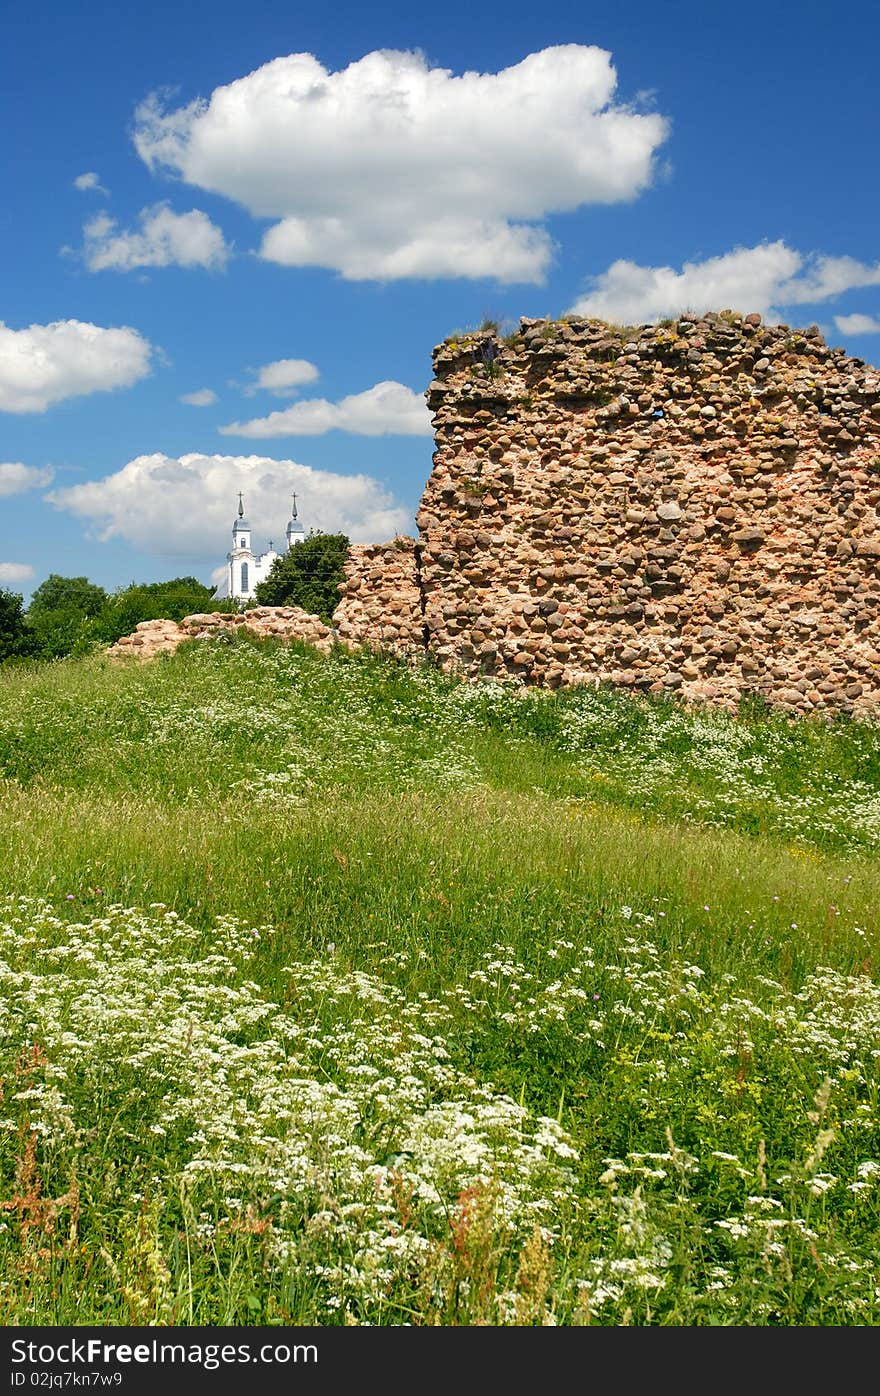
(153, 637)
(691, 506)
(381, 598)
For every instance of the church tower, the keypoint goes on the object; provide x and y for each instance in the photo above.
(241, 559)
(244, 568)
(295, 531)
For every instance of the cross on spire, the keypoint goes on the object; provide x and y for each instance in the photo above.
(294, 513)
(240, 506)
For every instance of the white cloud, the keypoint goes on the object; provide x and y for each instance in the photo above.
(284, 377)
(184, 506)
(827, 277)
(16, 478)
(387, 409)
(372, 248)
(857, 324)
(205, 397)
(16, 572)
(47, 363)
(764, 279)
(89, 180)
(391, 168)
(165, 239)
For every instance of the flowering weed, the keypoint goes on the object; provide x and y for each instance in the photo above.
(336, 992)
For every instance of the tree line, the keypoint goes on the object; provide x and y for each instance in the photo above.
(71, 615)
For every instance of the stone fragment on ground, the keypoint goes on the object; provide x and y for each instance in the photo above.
(153, 637)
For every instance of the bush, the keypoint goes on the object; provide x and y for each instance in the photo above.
(15, 639)
(172, 600)
(308, 575)
(62, 613)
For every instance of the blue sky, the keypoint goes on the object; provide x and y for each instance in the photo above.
(290, 242)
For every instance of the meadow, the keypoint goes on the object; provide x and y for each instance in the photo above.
(337, 992)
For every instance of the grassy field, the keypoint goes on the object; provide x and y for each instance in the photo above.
(332, 992)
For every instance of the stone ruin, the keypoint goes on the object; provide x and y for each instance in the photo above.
(691, 507)
(154, 637)
(688, 507)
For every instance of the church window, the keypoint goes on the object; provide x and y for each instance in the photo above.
(244, 576)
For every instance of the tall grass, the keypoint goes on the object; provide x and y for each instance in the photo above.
(336, 992)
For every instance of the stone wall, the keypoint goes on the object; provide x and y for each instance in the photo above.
(690, 506)
(381, 601)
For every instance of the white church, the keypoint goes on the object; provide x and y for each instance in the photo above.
(244, 567)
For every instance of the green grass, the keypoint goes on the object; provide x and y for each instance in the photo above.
(339, 992)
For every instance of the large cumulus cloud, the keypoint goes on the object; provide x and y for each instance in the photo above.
(184, 506)
(391, 168)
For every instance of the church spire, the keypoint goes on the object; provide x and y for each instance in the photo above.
(240, 527)
(295, 531)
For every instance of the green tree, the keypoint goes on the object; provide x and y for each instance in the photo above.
(15, 639)
(58, 593)
(307, 575)
(172, 600)
(62, 612)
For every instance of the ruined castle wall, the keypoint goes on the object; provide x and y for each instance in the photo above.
(381, 604)
(690, 507)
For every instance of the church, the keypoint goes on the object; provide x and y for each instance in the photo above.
(244, 567)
